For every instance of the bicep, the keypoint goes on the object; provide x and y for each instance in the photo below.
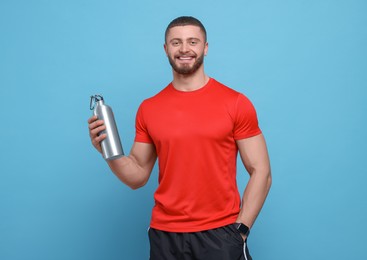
(144, 155)
(254, 153)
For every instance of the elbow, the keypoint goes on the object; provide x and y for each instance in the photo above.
(136, 185)
(269, 180)
(263, 173)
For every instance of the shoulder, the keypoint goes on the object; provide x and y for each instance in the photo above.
(237, 103)
(228, 92)
(157, 98)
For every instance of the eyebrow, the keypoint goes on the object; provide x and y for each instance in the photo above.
(188, 39)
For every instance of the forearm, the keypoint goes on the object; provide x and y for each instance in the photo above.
(129, 172)
(254, 196)
(133, 170)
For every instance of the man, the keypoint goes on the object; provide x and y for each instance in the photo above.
(195, 127)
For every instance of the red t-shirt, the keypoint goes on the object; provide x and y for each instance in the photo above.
(195, 137)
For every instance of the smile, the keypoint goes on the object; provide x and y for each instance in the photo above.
(185, 58)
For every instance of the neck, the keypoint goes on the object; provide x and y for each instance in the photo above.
(190, 82)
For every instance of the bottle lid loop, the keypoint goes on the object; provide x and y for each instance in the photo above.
(93, 100)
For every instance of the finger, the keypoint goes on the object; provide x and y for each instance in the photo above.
(92, 119)
(95, 124)
(97, 141)
(95, 131)
(100, 138)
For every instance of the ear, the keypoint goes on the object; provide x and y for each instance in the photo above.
(206, 48)
(165, 49)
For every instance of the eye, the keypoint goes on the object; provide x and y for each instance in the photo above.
(193, 42)
(175, 43)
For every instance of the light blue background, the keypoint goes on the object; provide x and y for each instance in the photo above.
(302, 63)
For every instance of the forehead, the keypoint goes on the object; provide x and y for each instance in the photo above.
(185, 32)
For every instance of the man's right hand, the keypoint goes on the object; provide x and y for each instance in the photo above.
(96, 126)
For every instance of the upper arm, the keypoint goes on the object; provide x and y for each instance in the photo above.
(254, 154)
(144, 155)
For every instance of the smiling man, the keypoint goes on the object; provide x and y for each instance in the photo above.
(186, 49)
(196, 127)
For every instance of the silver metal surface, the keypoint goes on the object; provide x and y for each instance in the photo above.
(111, 146)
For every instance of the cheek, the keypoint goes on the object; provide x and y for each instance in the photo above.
(170, 52)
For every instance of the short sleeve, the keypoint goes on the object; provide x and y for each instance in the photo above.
(246, 123)
(141, 132)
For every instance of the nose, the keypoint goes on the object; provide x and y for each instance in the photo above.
(184, 48)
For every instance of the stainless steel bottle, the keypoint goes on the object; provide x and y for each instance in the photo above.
(111, 145)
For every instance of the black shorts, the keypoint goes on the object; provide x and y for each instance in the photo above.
(224, 243)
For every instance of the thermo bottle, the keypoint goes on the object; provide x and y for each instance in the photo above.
(111, 145)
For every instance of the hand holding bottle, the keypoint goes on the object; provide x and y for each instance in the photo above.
(103, 132)
(96, 126)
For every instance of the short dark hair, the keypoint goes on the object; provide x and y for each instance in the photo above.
(185, 20)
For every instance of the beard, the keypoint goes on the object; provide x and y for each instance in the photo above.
(186, 69)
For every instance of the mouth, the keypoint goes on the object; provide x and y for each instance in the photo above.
(185, 59)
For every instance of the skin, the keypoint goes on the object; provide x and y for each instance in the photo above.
(184, 47)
